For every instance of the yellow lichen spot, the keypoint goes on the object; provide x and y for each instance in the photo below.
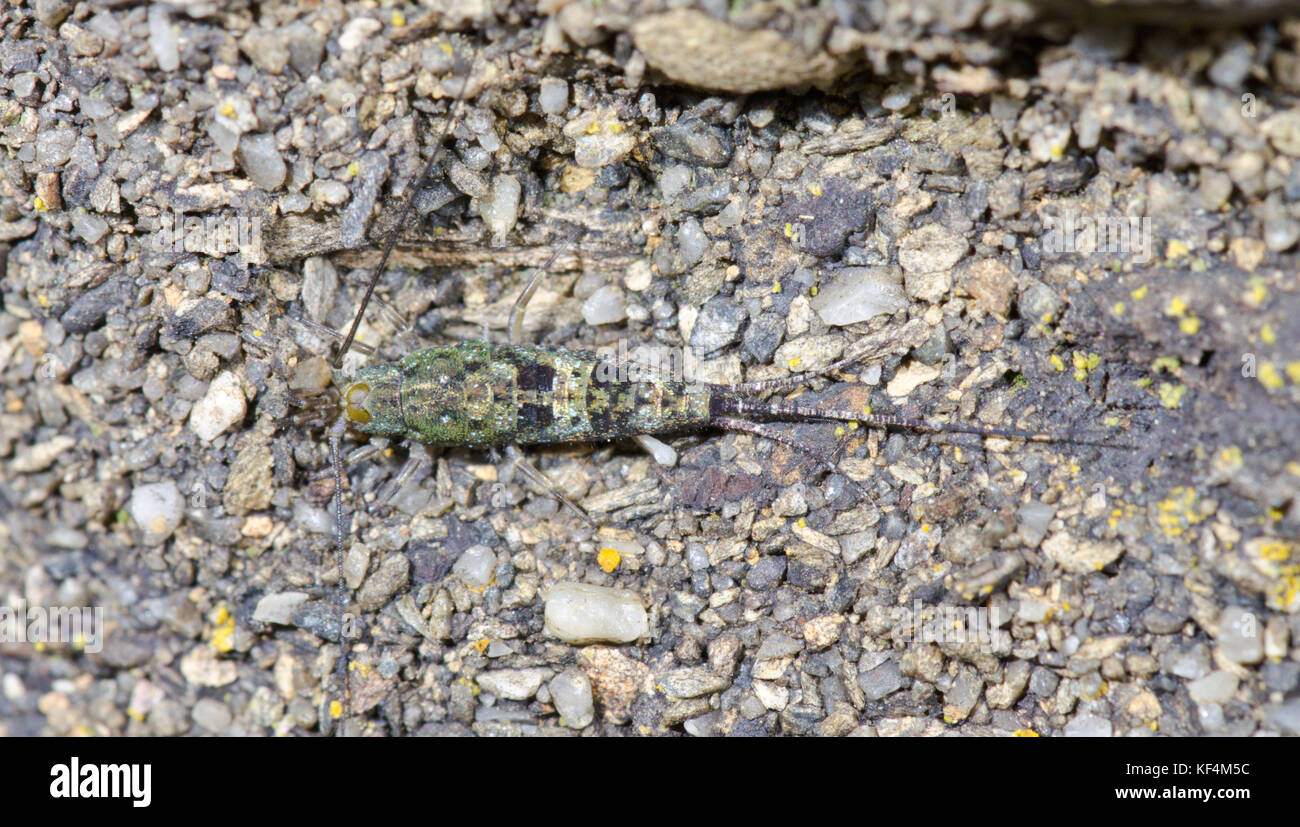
(1117, 308)
(336, 709)
(1057, 362)
(362, 669)
(1056, 151)
(1139, 293)
(839, 430)
(223, 636)
(1257, 294)
(1267, 334)
(42, 300)
(1025, 733)
(257, 333)
(1177, 512)
(925, 527)
(134, 713)
(228, 110)
(813, 291)
(1275, 551)
(957, 453)
(1083, 363)
(789, 230)
(38, 204)
(1175, 249)
(1189, 325)
(354, 169)
(776, 288)
(594, 129)
(795, 363)
(1293, 467)
(1171, 394)
(398, 19)
(1153, 725)
(608, 559)
(1165, 363)
(446, 48)
(866, 410)
(481, 645)
(1293, 372)
(1228, 460)
(1269, 376)
(815, 189)
(1112, 421)
(853, 426)
(1177, 306)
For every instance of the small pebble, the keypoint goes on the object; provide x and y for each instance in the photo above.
(512, 684)
(858, 294)
(1241, 635)
(220, 408)
(279, 608)
(606, 306)
(157, 509)
(579, 613)
(571, 694)
(500, 209)
(1215, 688)
(476, 566)
(553, 96)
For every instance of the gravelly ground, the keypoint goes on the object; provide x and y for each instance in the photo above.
(922, 189)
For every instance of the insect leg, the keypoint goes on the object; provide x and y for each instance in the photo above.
(536, 477)
(407, 471)
(336, 439)
(515, 327)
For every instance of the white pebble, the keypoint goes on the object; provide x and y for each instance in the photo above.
(220, 408)
(857, 294)
(157, 508)
(475, 567)
(279, 608)
(330, 193)
(553, 96)
(356, 31)
(312, 518)
(605, 306)
(500, 209)
(675, 179)
(163, 39)
(512, 684)
(579, 613)
(571, 692)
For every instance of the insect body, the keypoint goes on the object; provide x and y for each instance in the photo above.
(481, 395)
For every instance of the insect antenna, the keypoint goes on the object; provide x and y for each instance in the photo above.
(440, 148)
(810, 413)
